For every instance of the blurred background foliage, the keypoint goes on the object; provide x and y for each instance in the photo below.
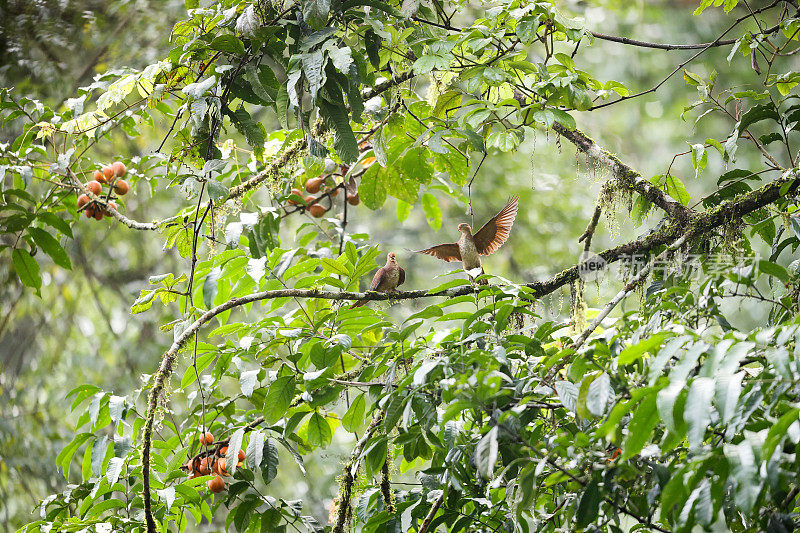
(84, 333)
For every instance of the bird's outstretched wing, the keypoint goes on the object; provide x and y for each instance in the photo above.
(446, 252)
(496, 231)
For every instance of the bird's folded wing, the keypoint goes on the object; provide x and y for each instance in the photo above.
(496, 231)
(446, 252)
(377, 280)
(402, 278)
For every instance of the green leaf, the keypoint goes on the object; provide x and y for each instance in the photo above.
(676, 189)
(778, 432)
(757, 114)
(454, 164)
(210, 286)
(99, 448)
(216, 190)
(315, 13)
(641, 426)
(589, 505)
(774, 270)
(278, 399)
(253, 131)
(698, 407)
(255, 449)
(54, 221)
(269, 462)
(229, 44)
(376, 455)
(634, 352)
(64, 458)
(319, 431)
(354, 416)
(433, 214)
(27, 268)
(50, 245)
(373, 188)
(344, 141)
(416, 165)
(234, 445)
(486, 453)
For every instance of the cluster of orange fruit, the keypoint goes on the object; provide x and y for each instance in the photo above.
(212, 464)
(315, 185)
(109, 175)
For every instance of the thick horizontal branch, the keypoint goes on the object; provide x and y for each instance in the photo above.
(626, 174)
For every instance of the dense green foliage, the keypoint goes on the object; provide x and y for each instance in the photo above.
(465, 407)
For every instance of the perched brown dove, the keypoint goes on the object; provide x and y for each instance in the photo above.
(386, 279)
(470, 247)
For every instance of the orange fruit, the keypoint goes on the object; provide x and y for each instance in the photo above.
(317, 211)
(216, 485)
(313, 185)
(111, 204)
(89, 211)
(98, 176)
(204, 467)
(241, 455)
(299, 193)
(94, 187)
(206, 438)
(353, 199)
(219, 467)
(108, 172)
(121, 187)
(98, 213)
(223, 451)
(333, 192)
(119, 169)
(83, 200)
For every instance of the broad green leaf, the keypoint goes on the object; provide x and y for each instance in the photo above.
(319, 431)
(589, 505)
(698, 409)
(229, 44)
(27, 268)
(634, 352)
(278, 399)
(354, 416)
(486, 453)
(644, 420)
(51, 247)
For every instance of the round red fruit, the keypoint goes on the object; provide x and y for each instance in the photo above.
(216, 485)
(317, 211)
(206, 438)
(121, 187)
(119, 168)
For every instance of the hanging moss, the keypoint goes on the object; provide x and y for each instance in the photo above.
(577, 308)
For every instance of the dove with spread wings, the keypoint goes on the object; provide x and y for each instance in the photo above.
(470, 247)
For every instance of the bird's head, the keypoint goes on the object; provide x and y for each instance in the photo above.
(391, 258)
(465, 229)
